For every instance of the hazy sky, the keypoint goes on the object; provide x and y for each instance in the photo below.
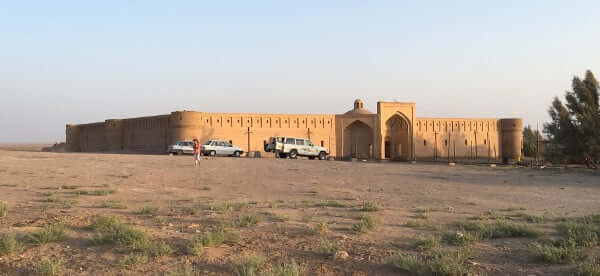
(84, 61)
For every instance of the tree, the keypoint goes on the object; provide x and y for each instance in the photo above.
(574, 130)
(531, 140)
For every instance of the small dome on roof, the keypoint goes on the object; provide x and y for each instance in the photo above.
(358, 108)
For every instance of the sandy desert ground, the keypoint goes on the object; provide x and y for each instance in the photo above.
(305, 210)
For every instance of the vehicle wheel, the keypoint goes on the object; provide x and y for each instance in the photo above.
(277, 154)
(236, 154)
(171, 154)
(179, 152)
(293, 154)
(322, 155)
(212, 153)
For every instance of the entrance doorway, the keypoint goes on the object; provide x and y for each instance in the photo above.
(398, 143)
(358, 140)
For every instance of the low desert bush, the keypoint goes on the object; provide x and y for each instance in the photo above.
(557, 253)
(458, 238)
(581, 233)
(320, 228)
(185, 270)
(147, 210)
(50, 233)
(95, 192)
(248, 265)
(327, 247)
(588, 269)
(421, 225)
(334, 204)
(49, 268)
(531, 218)
(427, 243)
(69, 187)
(3, 209)
(216, 237)
(8, 244)
(370, 206)
(133, 259)
(287, 268)
(54, 202)
(439, 262)
(248, 220)
(109, 230)
(113, 204)
(366, 224)
(499, 229)
(159, 249)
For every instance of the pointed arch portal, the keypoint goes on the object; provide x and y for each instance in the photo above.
(397, 142)
(358, 140)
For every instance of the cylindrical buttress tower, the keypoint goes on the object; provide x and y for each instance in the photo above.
(512, 136)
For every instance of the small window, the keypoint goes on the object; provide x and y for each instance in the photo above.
(424, 142)
(290, 141)
(322, 143)
(445, 142)
(300, 142)
(466, 142)
(484, 141)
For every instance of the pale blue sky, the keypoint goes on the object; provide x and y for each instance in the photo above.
(77, 61)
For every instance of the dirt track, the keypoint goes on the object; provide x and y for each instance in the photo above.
(287, 187)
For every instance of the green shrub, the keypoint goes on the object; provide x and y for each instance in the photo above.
(133, 259)
(320, 228)
(49, 268)
(95, 192)
(427, 226)
(159, 249)
(427, 243)
(588, 269)
(147, 210)
(582, 234)
(248, 265)
(50, 233)
(185, 270)
(438, 262)
(458, 238)
(248, 220)
(110, 231)
(8, 244)
(333, 203)
(499, 229)
(3, 209)
(69, 187)
(113, 204)
(327, 247)
(216, 237)
(557, 254)
(366, 224)
(289, 268)
(370, 206)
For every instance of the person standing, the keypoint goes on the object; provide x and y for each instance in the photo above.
(196, 153)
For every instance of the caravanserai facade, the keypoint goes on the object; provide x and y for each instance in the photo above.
(393, 133)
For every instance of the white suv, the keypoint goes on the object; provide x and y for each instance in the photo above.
(293, 147)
